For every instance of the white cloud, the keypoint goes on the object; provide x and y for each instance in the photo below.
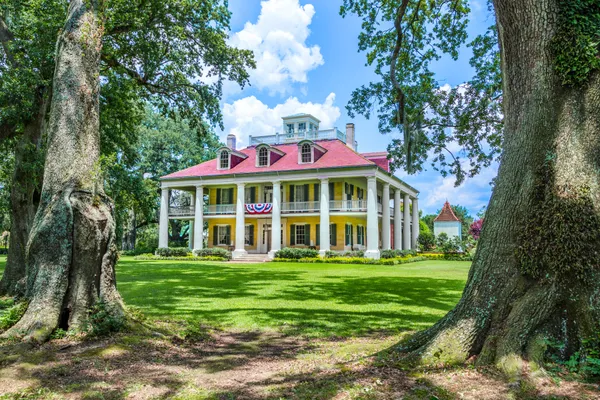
(278, 40)
(250, 116)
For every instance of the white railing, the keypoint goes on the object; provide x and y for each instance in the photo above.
(181, 211)
(219, 209)
(348, 205)
(298, 135)
(300, 207)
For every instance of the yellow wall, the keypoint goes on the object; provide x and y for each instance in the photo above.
(340, 221)
(231, 221)
(212, 197)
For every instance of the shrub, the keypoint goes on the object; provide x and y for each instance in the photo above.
(3, 251)
(213, 252)
(138, 250)
(102, 321)
(397, 253)
(295, 253)
(353, 253)
(353, 260)
(11, 313)
(426, 241)
(173, 251)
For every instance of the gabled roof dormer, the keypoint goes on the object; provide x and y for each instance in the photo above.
(309, 152)
(228, 158)
(267, 155)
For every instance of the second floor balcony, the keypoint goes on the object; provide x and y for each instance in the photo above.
(298, 207)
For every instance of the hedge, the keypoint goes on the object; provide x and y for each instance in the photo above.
(448, 256)
(173, 251)
(213, 252)
(147, 257)
(397, 253)
(296, 254)
(353, 260)
(353, 253)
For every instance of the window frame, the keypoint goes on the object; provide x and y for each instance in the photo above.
(222, 159)
(309, 154)
(223, 237)
(247, 229)
(298, 243)
(263, 157)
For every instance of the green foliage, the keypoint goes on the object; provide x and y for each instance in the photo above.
(173, 251)
(10, 312)
(426, 241)
(173, 258)
(448, 245)
(407, 98)
(353, 253)
(559, 239)
(213, 252)
(102, 321)
(585, 361)
(397, 253)
(448, 256)
(428, 221)
(296, 253)
(576, 45)
(353, 260)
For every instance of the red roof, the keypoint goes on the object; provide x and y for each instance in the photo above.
(337, 155)
(380, 158)
(446, 215)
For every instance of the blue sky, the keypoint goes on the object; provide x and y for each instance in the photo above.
(308, 61)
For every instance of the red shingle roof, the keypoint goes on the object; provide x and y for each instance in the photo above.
(446, 215)
(337, 155)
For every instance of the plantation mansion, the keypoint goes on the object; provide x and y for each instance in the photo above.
(311, 184)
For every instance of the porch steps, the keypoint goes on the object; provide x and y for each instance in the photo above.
(251, 259)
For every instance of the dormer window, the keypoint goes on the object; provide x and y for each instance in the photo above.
(224, 160)
(306, 152)
(263, 157)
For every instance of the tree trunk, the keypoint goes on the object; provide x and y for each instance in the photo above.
(71, 251)
(535, 273)
(130, 234)
(24, 199)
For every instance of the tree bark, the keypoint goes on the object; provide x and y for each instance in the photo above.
(71, 251)
(550, 156)
(130, 231)
(24, 198)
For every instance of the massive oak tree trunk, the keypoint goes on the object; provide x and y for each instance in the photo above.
(24, 199)
(71, 251)
(535, 273)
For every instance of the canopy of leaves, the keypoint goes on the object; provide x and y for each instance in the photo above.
(401, 39)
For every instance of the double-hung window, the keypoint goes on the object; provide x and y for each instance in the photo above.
(360, 235)
(263, 157)
(249, 235)
(224, 160)
(306, 153)
(300, 234)
(223, 235)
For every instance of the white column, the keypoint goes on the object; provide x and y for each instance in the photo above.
(191, 227)
(385, 218)
(240, 226)
(372, 219)
(415, 223)
(406, 220)
(324, 246)
(163, 229)
(276, 220)
(397, 220)
(199, 219)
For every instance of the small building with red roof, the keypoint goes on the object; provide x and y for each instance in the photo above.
(312, 183)
(447, 222)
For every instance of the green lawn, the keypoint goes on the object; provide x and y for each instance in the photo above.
(309, 299)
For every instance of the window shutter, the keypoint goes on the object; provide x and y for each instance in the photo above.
(331, 191)
(251, 238)
(292, 235)
(215, 235)
(306, 192)
(346, 187)
(316, 186)
(219, 196)
(307, 234)
(253, 195)
(231, 201)
(333, 234)
(228, 234)
(318, 234)
(351, 190)
(292, 198)
(351, 235)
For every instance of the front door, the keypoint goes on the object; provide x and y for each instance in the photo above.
(267, 237)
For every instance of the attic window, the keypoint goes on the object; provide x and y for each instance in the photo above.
(263, 157)
(224, 160)
(306, 151)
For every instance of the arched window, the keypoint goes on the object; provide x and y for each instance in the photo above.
(224, 160)
(306, 153)
(263, 157)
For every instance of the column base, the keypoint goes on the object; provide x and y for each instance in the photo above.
(374, 254)
(322, 252)
(271, 254)
(237, 253)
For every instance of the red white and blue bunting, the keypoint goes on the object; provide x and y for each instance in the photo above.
(259, 208)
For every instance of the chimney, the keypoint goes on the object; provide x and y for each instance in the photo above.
(231, 141)
(350, 136)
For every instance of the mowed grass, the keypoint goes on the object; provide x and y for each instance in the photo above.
(316, 300)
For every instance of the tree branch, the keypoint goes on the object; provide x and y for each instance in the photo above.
(5, 37)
